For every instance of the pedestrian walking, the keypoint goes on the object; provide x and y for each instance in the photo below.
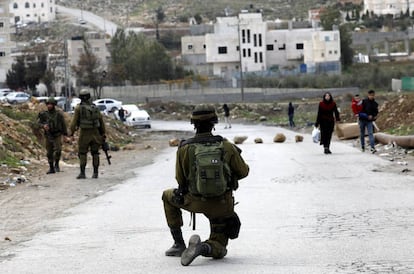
(88, 119)
(121, 114)
(367, 116)
(291, 114)
(327, 115)
(53, 124)
(226, 116)
(208, 168)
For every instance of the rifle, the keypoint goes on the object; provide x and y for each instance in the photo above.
(44, 120)
(105, 148)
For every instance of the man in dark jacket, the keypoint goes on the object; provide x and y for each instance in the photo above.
(367, 116)
(224, 222)
(53, 123)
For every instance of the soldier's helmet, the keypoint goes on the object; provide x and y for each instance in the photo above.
(51, 100)
(204, 113)
(84, 94)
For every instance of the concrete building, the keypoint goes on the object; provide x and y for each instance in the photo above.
(5, 43)
(26, 11)
(246, 42)
(75, 47)
(382, 7)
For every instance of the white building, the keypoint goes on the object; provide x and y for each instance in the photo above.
(25, 11)
(246, 41)
(382, 7)
(5, 43)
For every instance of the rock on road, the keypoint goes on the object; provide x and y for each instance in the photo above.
(301, 212)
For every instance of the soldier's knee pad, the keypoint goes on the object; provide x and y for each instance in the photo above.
(229, 226)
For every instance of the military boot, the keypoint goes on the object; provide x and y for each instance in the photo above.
(195, 249)
(51, 168)
(82, 173)
(95, 163)
(57, 169)
(179, 246)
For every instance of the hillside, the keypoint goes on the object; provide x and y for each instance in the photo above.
(139, 13)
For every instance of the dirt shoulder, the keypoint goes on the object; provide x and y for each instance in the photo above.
(26, 207)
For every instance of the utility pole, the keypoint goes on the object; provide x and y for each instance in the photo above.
(65, 54)
(240, 63)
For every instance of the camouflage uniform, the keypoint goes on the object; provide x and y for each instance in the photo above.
(54, 125)
(218, 210)
(91, 136)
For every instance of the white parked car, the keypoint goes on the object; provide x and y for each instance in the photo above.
(3, 93)
(135, 117)
(17, 97)
(74, 102)
(111, 105)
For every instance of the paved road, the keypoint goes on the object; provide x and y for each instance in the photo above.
(108, 26)
(301, 211)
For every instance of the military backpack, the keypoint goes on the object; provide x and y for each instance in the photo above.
(209, 173)
(89, 116)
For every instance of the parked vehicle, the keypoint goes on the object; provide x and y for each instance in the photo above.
(74, 102)
(112, 105)
(135, 117)
(3, 93)
(17, 97)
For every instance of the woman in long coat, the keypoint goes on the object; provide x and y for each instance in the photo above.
(327, 115)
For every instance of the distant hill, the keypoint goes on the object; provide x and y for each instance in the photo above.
(142, 12)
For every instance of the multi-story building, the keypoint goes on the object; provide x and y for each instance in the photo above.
(246, 42)
(382, 7)
(25, 11)
(5, 43)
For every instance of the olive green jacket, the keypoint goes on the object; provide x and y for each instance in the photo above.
(55, 120)
(232, 156)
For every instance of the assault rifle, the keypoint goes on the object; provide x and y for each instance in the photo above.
(105, 148)
(43, 121)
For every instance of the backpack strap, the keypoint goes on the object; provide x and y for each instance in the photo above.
(202, 140)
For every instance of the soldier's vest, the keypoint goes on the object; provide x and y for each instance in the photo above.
(209, 174)
(88, 116)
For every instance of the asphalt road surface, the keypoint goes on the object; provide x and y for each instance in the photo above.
(301, 212)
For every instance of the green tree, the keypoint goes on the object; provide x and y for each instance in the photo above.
(139, 59)
(34, 72)
(15, 77)
(330, 17)
(347, 53)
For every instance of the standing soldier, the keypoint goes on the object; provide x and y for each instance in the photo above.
(88, 118)
(53, 123)
(208, 168)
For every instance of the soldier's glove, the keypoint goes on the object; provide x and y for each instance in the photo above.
(178, 197)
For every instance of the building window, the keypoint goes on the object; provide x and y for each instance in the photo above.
(243, 36)
(27, 5)
(27, 15)
(260, 40)
(299, 46)
(330, 52)
(255, 57)
(249, 52)
(327, 39)
(244, 52)
(282, 47)
(254, 40)
(1, 24)
(42, 5)
(15, 6)
(237, 48)
(336, 52)
(96, 49)
(323, 54)
(261, 57)
(269, 47)
(248, 36)
(222, 50)
(34, 5)
(190, 47)
(2, 53)
(204, 46)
